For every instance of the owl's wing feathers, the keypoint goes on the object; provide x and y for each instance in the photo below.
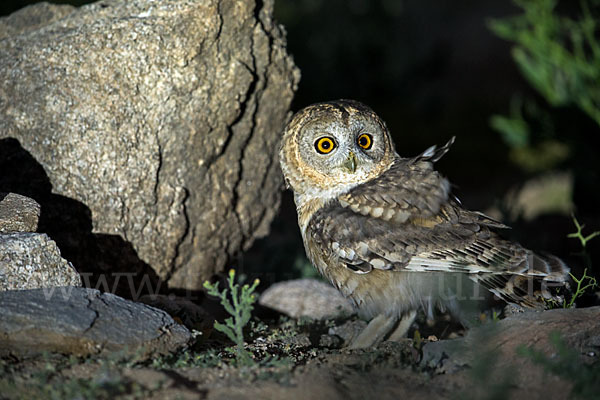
(409, 189)
(452, 241)
(406, 220)
(459, 245)
(433, 154)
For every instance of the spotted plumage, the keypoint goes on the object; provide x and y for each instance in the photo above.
(386, 231)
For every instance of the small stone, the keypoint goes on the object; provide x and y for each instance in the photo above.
(306, 298)
(18, 213)
(349, 330)
(330, 341)
(32, 261)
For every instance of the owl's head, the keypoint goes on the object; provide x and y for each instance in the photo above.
(329, 148)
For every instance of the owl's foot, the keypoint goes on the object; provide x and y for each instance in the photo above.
(380, 327)
(374, 333)
(403, 326)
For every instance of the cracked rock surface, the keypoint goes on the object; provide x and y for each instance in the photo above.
(82, 321)
(158, 121)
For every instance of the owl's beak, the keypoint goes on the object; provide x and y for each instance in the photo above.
(351, 162)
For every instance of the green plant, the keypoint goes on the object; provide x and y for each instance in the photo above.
(495, 316)
(586, 281)
(417, 340)
(559, 56)
(579, 234)
(583, 284)
(567, 364)
(240, 308)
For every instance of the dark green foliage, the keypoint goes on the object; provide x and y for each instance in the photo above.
(559, 56)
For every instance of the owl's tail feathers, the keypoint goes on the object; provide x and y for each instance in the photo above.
(538, 282)
(433, 154)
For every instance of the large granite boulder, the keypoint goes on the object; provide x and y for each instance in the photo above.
(146, 128)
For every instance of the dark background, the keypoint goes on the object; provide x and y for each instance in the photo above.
(431, 70)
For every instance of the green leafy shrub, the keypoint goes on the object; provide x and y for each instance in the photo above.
(240, 308)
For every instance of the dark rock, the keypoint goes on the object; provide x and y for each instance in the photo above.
(330, 341)
(348, 331)
(31, 261)
(18, 213)
(83, 321)
(306, 298)
(184, 311)
(161, 121)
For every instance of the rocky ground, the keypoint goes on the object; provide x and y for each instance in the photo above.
(548, 355)
(139, 170)
(72, 342)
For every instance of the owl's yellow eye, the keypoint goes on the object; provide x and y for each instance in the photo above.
(325, 145)
(365, 141)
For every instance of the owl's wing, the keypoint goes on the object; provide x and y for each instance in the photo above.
(406, 220)
(439, 243)
(462, 243)
(410, 188)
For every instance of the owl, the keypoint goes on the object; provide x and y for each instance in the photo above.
(386, 231)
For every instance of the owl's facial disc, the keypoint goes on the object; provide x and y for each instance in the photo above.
(329, 148)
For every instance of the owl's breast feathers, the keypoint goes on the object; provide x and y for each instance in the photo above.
(405, 220)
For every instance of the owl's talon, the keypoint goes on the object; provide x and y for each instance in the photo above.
(403, 326)
(375, 332)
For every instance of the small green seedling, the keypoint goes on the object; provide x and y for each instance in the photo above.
(495, 316)
(584, 283)
(240, 308)
(579, 234)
